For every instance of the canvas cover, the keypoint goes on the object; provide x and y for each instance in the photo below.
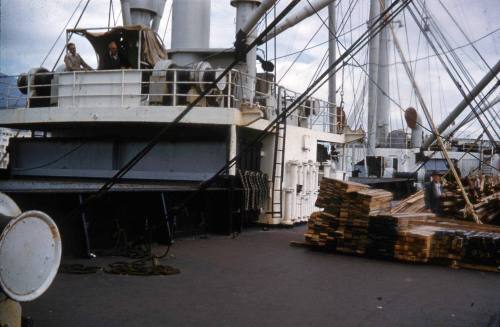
(127, 38)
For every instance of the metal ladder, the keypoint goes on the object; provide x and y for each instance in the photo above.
(278, 169)
(486, 163)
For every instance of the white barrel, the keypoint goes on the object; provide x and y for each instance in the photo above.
(30, 254)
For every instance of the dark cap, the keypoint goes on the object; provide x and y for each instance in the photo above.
(436, 173)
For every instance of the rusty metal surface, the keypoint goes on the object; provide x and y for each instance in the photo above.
(30, 253)
(87, 186)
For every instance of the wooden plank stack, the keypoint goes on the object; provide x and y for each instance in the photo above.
(333, 192)
(343, 225)
(385, 231)
(357, 220)
(414, 244)
(321, 232)
(484, 193)
(413, 203)
(447, 244)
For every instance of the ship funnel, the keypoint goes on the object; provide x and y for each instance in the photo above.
(190, 30)
(414, 122)
(143, 12)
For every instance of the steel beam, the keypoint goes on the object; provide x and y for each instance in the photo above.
(464, 103)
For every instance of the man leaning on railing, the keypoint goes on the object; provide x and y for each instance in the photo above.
(73, 60)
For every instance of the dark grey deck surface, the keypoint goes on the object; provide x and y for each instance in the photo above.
(259, 280)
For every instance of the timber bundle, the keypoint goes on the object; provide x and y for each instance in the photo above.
(343, 225)
(358, 220)
(484, 193)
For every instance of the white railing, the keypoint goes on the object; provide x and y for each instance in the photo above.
(172, 87)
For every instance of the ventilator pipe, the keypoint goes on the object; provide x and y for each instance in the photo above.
(327, 169)
(306, 177)
(127, 18)
(159, 14)
(287, 219)
(316, 175)
(306, 11)
(300, 179)
(190, 26)
(299, 210)
(293, 168)
(464, 103)
(256, 16)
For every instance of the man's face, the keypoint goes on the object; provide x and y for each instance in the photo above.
(436, 178)
(113, 49)
(72, 49)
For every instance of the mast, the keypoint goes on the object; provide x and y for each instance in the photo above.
(373, 79)
(383, 84)
(492, 73)
(332, 57)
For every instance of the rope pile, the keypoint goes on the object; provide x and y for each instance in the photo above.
(146, 263)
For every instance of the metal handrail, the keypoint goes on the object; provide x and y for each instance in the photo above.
(151, 92)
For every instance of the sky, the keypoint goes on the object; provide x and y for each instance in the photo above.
(29, 28)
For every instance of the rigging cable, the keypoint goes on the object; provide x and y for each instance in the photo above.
(167, 127)
(341, 28)
(300, 53)
(113, 15)
(366, 73)
(459, 87)
(60, 34)
(460, 65)
(361, 42)
(109, 12)
(71, 34)
(375, 83)
(468, 40)
(168, 21)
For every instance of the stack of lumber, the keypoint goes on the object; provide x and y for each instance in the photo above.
(357, 220)
(482, 247)
(354, 218)
(414, 203)
(447, 244)
(488, 209)
(483, 192)
(333, 192)
(414, 244)
(321, 232)
(465, 241)
(386, 232)
(343, 225)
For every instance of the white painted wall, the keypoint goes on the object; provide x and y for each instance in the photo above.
(300, 168)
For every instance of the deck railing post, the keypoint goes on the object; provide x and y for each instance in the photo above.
(174, 100)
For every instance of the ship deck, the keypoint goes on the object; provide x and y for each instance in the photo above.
(258, 279)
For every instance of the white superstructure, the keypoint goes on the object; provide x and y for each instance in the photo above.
(100, 119)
